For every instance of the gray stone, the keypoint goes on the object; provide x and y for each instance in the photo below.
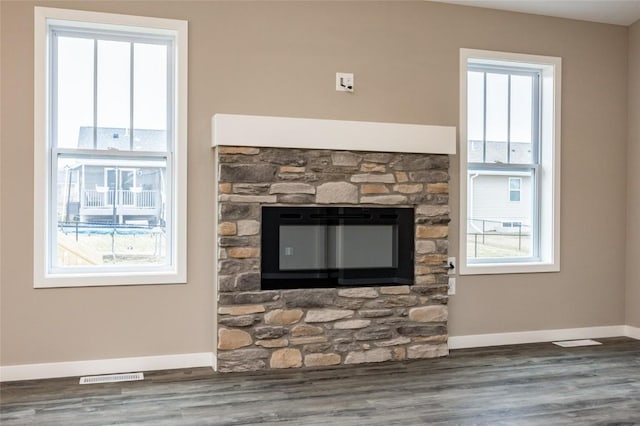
(429, 176)
(240, 321)
(248, 281)
(327, 315)
(373, 333)
(348, 303)
(248, 298)
(226, 283)
(230, 211)
(389, 200)
(421, 162)
(336, 193)
(247, 172)
(284, 157)
(309, 298)
(251, 188)
(347, 347)
(233, 198)
(392, 302)
(364, 292)
(243, 241)
(235, 266)
(373, 178)
(422, 330)
(269, 332)
(376, 313)
(400, 289)
(292, 188)
(248, 227)
(240, 366)
(243, 354)
(430, 290)
(296, 199)
(374, 355)
(345, 158)
(317, 347)
(427, 351)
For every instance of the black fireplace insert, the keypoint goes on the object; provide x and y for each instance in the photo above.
(307, 247)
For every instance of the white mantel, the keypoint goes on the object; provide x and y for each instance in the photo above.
(285, 132)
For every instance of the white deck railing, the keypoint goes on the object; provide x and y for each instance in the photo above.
(147, 199)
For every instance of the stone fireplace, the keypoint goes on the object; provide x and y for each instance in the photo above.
(311, 327)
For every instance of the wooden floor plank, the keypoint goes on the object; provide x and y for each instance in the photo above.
(537, 384)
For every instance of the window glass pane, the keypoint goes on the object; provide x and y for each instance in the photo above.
(150, 97)
(74, 78)
(498, 227)
(110, 212)
(114, 90)
(521, 118)
(475, 116)
(497, 117)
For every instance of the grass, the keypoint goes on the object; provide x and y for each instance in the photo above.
(498, 245)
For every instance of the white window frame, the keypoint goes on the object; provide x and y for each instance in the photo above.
(548, 259)
(175, 272)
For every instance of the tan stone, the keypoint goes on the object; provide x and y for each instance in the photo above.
(292, 188)
(233, 339)
(390, 200)
(425, 279)
(337, 192)
(432, 313)
(273, 343)
(241, 310)
(238, 150)
(286, 358)
(408, 188)
(248, 227)
(431, 339)
(431, 210)
(243, 252)
(401, 289)
(373, 178)
(308, 340)
(401, 340)
(372, 167)
(402, 177)
(374, 189)
(364, 292)
(326, 315)
(432, 231)
(398, 354)
(427, 351)
(374, 355)
(306, 330)
(433, 259)
(291, 169)
(438, 188)
(227, 228)
(351, 324)
(422, 247)
(283, 316)
(235, 198)
(224, 188)
(316, 360)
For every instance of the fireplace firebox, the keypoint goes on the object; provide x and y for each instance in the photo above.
(319, 247)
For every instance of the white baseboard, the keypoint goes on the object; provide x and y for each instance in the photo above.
(633, 332)
(104, 366)
(516, 338)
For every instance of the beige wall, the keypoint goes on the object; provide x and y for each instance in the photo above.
(633, 183)
(280, 59)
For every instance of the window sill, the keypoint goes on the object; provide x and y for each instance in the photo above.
(106, 280)
(510, 268)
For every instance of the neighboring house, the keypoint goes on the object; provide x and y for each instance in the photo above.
(499, 202)
(102, 190)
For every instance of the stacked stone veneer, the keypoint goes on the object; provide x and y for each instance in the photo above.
(319, 327)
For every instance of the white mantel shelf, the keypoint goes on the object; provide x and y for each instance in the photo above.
(307, 133)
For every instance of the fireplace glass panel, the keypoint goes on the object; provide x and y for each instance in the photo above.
(337, 247)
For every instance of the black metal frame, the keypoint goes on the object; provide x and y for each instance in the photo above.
(275, 216)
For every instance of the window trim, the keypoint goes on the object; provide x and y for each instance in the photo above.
(45, 17)
(550, 149)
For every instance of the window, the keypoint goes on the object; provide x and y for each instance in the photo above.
(110, 149)
(515, 184)
(510, 140)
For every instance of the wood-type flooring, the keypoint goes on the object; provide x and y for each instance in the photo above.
(536, 384)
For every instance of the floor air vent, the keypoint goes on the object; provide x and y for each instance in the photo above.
(576, 343)
(111, 378)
